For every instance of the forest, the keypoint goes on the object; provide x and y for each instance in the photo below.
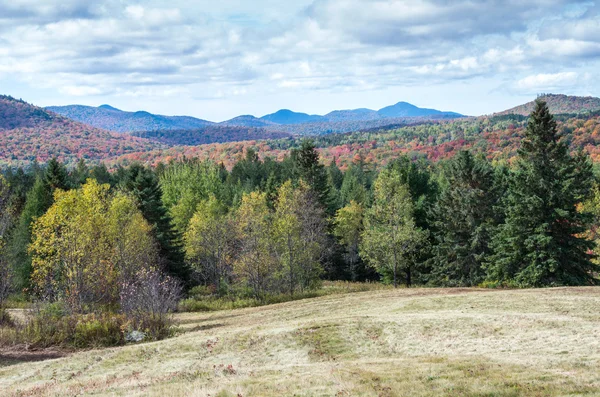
(106, 256)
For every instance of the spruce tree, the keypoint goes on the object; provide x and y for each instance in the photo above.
(56, 175)
(541, 241)
(143, 184)
(314, 174)
(464, 218)
(38, 200)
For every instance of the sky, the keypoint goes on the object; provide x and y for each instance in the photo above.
(219, 59)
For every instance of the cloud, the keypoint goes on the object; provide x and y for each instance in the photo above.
(156, 48)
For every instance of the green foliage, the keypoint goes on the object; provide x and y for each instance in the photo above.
(391, 241)
(541, 242)
(464, 220)
(348, 228)
(142, 183)
(184, 185)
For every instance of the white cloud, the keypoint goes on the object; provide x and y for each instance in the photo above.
(152, 49)
(546, 81)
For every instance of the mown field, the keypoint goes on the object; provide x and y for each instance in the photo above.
(417, 342)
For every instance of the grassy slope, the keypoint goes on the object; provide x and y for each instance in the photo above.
(420, 342)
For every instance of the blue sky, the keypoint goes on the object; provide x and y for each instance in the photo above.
(216, 60)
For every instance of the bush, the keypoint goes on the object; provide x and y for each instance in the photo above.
(206, 303)
(50, 326)
(149, 301)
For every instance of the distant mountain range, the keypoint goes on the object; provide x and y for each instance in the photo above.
(112, 119)
(30, 133)
(559, 104)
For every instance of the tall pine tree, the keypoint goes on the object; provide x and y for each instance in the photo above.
(143, 184)
(541, 242)
(464, 219)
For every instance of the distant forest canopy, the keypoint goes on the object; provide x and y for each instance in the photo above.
(29, 133)
(496, 137)
(269, 227)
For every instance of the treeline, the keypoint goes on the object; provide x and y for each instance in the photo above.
(92, 238)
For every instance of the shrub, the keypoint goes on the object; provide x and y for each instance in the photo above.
(51, 326)
(149, 302)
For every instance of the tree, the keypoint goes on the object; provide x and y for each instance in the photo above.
(314, 173)
(210, 243)
(184, 185)
(255, 264)
(464, 220)
(348, 228)
(79, 174)
(299, 236)
(143, 184)
(6, 221)
(541, 242)
(391, 241)
(56, 175)
(354, 185)
(87, 246)
(38, 200)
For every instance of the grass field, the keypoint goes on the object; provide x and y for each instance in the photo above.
(417, 342)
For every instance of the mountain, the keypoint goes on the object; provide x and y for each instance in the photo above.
(405, 109)
(210, 134)
(355, 115)
(247, 121)
(30, 133)
(113, 119)
(287, 117)
(559, 104)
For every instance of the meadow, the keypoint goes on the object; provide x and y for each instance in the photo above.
(384, 342)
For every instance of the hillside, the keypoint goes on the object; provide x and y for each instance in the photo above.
(210, 134)
(404, 109)
(497, 137)
(286, 116)
(559, 104)
(30, 133)
(109, 118)
(247, 121)
(417, 342)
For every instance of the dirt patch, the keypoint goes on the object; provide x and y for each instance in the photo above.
(21, 354)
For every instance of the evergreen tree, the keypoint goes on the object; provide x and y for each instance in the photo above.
(56, 175)
(39, 199)
(464, 218)
(541, 242)
(313, 173)
(143, 184)
(79, 174)
(101, 175)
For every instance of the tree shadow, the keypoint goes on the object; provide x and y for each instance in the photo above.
(14, 357)
(203, 327)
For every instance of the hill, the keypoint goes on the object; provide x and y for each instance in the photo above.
(405, 342)
(30, 133)
(210, 134)
(285, 117)
(247, 121)
(109, 118)
(404, 109)
(497, 137)
(559, 104)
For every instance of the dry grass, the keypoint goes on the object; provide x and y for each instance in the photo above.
(420, 342)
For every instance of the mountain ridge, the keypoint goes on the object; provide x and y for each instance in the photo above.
(110, 118)
(558, 104)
